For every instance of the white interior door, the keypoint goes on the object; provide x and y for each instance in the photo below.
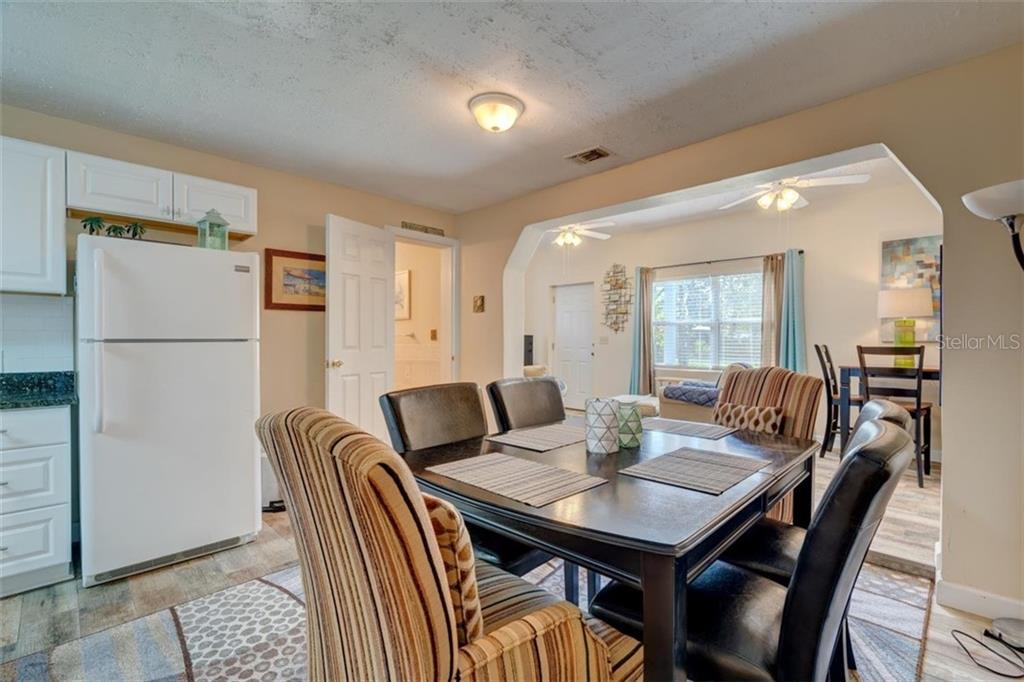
(360, 321)
(574, 342)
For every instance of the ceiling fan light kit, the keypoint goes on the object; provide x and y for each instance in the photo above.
(572, 234)
(783, 194)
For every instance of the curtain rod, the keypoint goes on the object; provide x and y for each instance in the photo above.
(709, 262)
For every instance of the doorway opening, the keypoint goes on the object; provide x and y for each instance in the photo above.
(426, 324)
(861, 224)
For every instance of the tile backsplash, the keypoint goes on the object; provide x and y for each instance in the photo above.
(37, 333)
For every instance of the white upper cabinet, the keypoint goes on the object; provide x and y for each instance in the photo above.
(193, 197)
(109, 186)
(32, 243)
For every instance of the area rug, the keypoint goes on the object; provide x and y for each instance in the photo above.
(257, 631)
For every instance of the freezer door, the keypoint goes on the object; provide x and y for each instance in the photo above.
(169, 457)
(141, 290)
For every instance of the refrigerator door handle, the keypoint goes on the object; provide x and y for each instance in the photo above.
(97, 308)
(97, 367)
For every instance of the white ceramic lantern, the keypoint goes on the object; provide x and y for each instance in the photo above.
(602, 426)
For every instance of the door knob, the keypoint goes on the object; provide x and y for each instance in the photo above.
(334, 364)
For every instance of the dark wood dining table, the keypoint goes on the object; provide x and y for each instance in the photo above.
(653, 536)
(849, 372)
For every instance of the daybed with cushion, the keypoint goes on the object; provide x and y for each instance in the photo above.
(693, 400)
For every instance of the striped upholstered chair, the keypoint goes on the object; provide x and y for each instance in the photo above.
(798, 396)
(393, 591)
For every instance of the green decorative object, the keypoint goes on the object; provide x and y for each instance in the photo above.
(135, 230)
(630, 425)
(95, 225)
(213, 231)
(92, 224)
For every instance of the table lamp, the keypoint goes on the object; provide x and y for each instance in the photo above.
(904, 305)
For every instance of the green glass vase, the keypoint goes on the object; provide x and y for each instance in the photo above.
(630, 425)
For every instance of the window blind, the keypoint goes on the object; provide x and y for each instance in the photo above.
(707, 321)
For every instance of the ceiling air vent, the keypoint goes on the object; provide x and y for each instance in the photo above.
(589, 155)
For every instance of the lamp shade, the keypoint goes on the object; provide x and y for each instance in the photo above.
(900, 303)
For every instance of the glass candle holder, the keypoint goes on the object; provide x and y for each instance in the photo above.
(602, 426)
(630, 425)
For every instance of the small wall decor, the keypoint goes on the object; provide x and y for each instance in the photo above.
(294, 280)
(478, 304)
(913, 263)
(618, 298)
(403, 296)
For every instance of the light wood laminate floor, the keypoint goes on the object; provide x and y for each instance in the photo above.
(40, 619)
(906, 539)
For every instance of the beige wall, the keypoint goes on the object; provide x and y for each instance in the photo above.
(291, 216)
(417, 357)
(957, 129)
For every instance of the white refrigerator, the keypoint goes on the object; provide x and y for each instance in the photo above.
(168, 371)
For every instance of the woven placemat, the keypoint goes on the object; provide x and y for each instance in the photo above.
(685, 428)
(700, 470)
(520, 479)
(542, 438)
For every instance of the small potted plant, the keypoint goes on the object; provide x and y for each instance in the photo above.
(95, 225)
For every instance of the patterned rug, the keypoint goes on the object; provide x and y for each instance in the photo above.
(257, 631)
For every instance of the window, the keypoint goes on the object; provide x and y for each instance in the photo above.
(707, 321)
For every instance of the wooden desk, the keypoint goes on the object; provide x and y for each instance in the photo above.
(650, 535)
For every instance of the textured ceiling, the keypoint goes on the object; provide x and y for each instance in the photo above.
(374, 95)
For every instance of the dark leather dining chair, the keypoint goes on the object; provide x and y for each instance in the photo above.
(429, 416)
(741, 625)
(522, 402)
(770, 548)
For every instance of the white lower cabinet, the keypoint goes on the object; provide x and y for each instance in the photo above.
(35, 498)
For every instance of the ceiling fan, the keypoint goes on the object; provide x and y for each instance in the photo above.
(572, 234)
(783, 194)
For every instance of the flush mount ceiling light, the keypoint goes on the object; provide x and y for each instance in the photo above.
(496, 112)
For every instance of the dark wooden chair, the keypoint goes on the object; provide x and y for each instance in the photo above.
(909, 398)
(828, 374)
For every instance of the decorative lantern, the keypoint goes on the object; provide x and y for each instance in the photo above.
(602, 426)
(213, 231)
(630, 425)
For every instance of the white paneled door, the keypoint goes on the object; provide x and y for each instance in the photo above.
(360, 321)
(574, 342)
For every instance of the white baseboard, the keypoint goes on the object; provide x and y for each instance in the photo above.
(972, 600)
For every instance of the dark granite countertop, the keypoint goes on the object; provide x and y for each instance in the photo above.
(37, 389)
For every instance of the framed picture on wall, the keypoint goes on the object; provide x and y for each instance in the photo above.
(910, 264)
(293, 280)
(403, 296)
